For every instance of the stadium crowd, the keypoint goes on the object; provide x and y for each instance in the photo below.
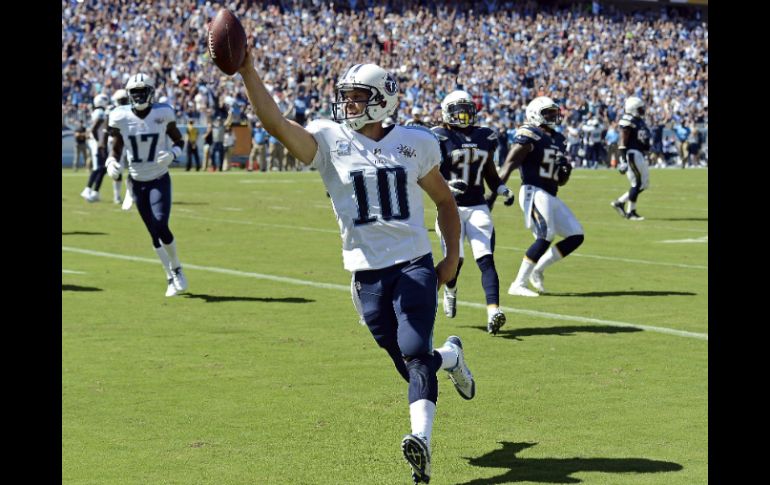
(587, 56)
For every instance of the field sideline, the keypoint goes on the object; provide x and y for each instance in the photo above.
(260, 374)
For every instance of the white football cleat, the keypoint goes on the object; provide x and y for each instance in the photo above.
(93, 196)
(86, 193)
(450, 301)
(520, 290)
(536, 279)
(417, 454)
(171, 290)
(180, 282)
(496, 321)
(460, 374)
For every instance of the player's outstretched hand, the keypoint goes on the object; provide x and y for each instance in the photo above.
(248, 62)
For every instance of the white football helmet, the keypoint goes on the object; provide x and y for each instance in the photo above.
(536, 112)
(458, 109)
(383, 95)
(120, 97)
(634, 106)
(140, 89)
(101, 101)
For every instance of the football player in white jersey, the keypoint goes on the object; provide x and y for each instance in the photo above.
(97, 144)
(375, 177)
(142, 127)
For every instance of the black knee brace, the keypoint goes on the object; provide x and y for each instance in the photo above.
(569, 244)
(537, 249)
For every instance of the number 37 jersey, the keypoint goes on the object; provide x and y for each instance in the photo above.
(143, 138)
(374, 191)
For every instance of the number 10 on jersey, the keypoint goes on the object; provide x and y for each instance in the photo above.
(391, 181)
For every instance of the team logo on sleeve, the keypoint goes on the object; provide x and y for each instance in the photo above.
(406, 151)
(343, 147)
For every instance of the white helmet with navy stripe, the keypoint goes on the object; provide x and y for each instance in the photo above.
(543, 111)
(634, 106)
(140, 89)
(101, 101)
(120, 97)
(383, 95)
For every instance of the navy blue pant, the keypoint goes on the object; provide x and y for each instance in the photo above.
(153, 201)
(99, 169)
(217, 155)
(399, 308)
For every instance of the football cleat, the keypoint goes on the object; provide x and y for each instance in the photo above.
(417, 454)
(86, 193)
(619, 208)
(496, 321)
(171, 290)
(536, 279)
(93, 196)
(450, 301)
(460, 374)
(180, 282)
(520, 290)
(633, 216)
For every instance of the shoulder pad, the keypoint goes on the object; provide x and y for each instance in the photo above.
(440, 133)
(529, 132)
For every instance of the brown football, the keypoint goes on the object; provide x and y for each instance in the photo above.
(227, 42)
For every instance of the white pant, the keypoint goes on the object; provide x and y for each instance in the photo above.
(638, 170)
(546, 215)
(475, 225)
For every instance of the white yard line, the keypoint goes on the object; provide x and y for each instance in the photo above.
(346, 288)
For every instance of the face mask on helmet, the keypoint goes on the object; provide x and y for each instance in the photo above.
(461, 113)
(365, 94)
(140, 97)
(552, 116)
(352, 102)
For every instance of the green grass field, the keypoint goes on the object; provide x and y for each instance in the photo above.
(260, 374)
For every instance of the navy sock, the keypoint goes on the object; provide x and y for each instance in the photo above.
(489, 279)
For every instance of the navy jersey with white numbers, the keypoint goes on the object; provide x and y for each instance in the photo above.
(539, 166)
(463, 156)
(640, 135)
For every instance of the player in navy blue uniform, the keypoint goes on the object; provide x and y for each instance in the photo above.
(142, 127)
(539, 152)
(634, 143)
(467, 154)
(97, 143)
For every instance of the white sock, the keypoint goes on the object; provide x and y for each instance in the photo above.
(491, 310)
(448, 357)
(550, 257)
(631, 206)
(524, 271)
(172, 257)
(116, 188)
(164, 260)
(623, 198)
(421, 415)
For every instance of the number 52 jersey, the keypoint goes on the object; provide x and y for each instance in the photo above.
(374, 191)
(143, 138)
